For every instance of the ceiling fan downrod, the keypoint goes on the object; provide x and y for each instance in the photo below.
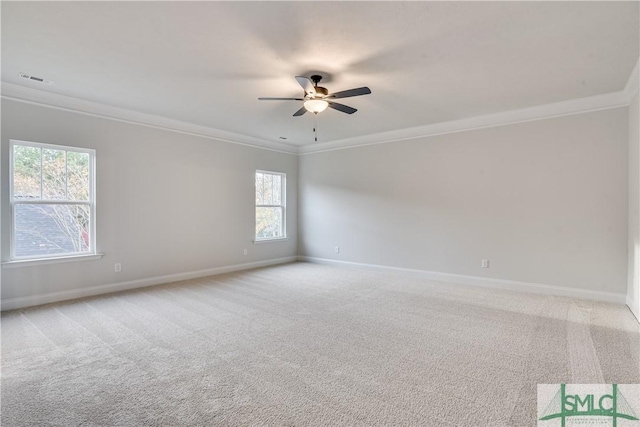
(316, 79)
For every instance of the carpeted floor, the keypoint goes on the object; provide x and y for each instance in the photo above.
(304, 344)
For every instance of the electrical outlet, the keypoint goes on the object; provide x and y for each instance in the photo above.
(117, 267)
(245, 251)
(336, 249)
(485, 263)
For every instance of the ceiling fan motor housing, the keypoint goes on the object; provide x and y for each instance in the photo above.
(322, 91)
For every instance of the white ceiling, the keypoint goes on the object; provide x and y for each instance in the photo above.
(426, 62)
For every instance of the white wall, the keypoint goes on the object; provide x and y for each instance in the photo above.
(168, 203)
(544, 201)
(633, 292)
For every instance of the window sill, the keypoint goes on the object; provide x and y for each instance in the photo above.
(42, 261)
(274, 240)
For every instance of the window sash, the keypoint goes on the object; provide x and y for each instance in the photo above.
(91, 226)
(90, 152)
(282, 227)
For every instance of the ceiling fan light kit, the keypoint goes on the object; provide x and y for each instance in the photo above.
(315, 106)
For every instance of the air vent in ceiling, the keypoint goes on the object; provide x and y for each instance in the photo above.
(35, 79)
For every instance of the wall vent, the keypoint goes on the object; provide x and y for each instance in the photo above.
(35, 79)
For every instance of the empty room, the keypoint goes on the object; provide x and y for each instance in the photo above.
(320, 213)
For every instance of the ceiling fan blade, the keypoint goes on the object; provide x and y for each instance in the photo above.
(280, 99)
(351, 92)
(300, 112)
(342, 107)
(306, 84)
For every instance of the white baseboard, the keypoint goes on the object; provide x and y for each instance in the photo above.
(22, 302)
(511, 285)
(635, 309)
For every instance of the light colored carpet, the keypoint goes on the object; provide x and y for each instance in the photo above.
(304, 344)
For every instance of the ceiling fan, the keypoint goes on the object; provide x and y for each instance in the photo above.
(317, 99)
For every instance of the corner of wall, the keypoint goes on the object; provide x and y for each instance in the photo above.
(633, 283)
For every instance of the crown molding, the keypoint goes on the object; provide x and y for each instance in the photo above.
(558, 109)
(574, 106)
(62, 102)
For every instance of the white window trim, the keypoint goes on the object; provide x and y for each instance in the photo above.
(283, 196)
(270, 240)
(53, 260)
(66, 257)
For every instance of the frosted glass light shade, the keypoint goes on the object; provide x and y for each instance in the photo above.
(316, 105)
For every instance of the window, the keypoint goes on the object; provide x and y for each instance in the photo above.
(52, 201)
(270, 203)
